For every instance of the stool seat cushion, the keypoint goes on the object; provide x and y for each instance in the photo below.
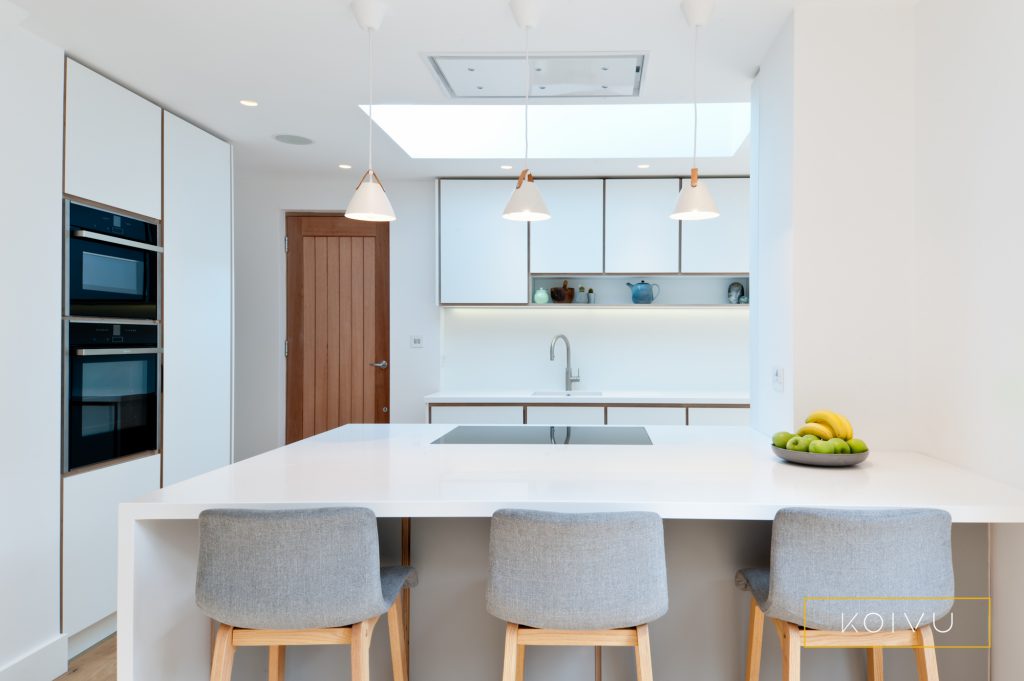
(393, 579)
(577, 571)
(754, 580)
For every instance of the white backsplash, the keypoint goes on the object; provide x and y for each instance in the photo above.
(655, 349)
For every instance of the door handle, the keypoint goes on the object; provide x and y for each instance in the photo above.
(383, 364)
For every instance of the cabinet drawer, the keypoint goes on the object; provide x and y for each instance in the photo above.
(90, 536)
(565, 416)
(646, 416)
(483, 414)
(719, 416)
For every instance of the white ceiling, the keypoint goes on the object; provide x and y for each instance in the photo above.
(304, 61)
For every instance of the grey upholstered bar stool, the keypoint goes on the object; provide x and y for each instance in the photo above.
(297, 577)
(884, 570)
(561, 579)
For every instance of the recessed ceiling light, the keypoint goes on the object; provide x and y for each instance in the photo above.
(344, 166)
(643, 166)
(248, 102)
(470, 69)
(506, 167)
(293, 139)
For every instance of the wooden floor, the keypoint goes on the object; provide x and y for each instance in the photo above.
(99, 663)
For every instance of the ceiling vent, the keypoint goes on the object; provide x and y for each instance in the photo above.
(551, 75)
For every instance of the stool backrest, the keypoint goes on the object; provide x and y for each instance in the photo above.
(289, 569)
(577, 571)
(834, 567)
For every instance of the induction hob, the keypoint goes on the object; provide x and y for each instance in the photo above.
(545, 435)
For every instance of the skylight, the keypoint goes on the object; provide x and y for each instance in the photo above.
(567, 131)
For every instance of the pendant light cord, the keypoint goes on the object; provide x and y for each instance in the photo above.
(526, 108)
(369, 33)
(696, 30)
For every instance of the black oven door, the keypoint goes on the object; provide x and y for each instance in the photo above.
(111, 280)
(112, 404)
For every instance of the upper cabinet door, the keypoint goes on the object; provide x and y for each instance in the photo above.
(112, 144)
(482, 255)
(572, 241)
(721, 244)
(197, 301)
(639, 236)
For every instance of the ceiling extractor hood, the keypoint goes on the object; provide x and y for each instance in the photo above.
(483, 76)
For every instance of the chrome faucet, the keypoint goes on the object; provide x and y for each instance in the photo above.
(569, 378)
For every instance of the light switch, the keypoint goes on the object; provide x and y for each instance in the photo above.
(416, 342)
(778, 379)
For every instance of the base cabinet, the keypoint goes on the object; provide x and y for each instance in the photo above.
(719, 416)
(90, 536)
(565, 416)
(502, 415)
(646, 416)
(591, 414)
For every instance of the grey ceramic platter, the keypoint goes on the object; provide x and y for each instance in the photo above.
(828, 460)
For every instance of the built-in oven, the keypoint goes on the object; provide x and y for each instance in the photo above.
(112, 391)
(111, 265)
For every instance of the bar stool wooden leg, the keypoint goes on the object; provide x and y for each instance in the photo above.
(876, 669)
(275, 663)
(597, 663)
(789, 637)
(361, 635)
(755, 636)
(510, 669)
(396, 637)
(223, 654)
(927, 664)
(520, 662)
(645, 671)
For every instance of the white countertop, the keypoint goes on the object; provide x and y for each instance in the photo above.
(689, 472)
(606, 397)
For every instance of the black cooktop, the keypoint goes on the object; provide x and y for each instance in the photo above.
(545, 435)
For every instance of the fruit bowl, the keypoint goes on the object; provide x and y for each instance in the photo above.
(812, 459)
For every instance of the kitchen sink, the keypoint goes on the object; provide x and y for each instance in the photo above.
(565, 393)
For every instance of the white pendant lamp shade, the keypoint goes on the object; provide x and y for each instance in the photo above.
(526, 204)
(694, 203)
(370, 202)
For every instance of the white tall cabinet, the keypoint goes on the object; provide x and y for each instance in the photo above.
(197, 301)
(112, 144)
(483, 257)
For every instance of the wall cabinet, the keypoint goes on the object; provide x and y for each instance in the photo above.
(483, 257)
(639, 236)
(90, 536)
(197, 301)
(721, 244)
(573, 239)
(112, 144)
(564, 416)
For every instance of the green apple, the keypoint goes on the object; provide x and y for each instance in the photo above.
(822, 447)
(857, 446)
(810, 437)
(839, 445)
(797, 444)
(781, 438)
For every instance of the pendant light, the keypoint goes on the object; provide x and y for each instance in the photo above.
(526, 204)
(694, 201)
(370, 202)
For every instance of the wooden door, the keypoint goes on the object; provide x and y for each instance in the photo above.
(337, 323)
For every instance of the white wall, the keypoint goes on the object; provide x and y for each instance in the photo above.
(261, 200)
(970, 368)
(704, 351)
(31, 118)
(771, 257)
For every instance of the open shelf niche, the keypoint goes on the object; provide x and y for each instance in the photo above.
(677, 290)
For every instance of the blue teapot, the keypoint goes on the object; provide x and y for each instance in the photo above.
(644, 293)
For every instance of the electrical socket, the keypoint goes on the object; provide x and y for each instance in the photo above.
(416, 342)
(778, 379)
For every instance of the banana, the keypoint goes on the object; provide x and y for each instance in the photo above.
(847, 428)
(832, 420)
(819, 429)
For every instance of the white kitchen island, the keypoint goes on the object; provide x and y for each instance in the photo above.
(714, 480)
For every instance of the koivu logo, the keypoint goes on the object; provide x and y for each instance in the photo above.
(874, 622)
